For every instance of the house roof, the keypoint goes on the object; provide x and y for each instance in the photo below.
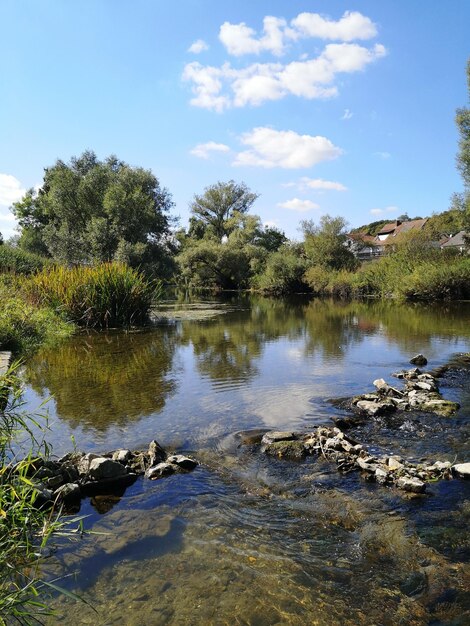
(456, 240)
(388, 228)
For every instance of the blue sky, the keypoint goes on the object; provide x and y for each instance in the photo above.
(335, 107)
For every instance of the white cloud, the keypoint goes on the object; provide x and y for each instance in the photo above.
(10, 190)
(287, 149)
(218, 88)
(198, 46)
(388, 209)
(240, 39)
(323, 185)
(298, 205)
(352, 25)
(347, 115)
(383, 155)
(203, 150)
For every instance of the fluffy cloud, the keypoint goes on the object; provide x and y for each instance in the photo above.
(198, 46)
(203, 150)
(388, 209)
(10, 190)
(218, 88)
(287, 149)
(352, 25)
(320, 184)
(298, 205)
(240, 39)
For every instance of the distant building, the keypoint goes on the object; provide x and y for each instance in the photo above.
(366, 247)
(456, 242)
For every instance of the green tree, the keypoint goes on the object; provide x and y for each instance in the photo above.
(90, 211)
(217, 206)
(324, 244)
(461, 201)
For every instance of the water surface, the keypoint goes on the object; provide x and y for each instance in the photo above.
(251, 540)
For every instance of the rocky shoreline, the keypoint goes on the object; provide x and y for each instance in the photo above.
(76, 475)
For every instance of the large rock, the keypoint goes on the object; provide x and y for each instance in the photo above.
(156, 453)
(160, 470)
(462, 470)
(375, 408)
(293, 450)
(446, 408)
(413, 485)
(184, 462)
(419, 359)
(102, 468)
(277, 435)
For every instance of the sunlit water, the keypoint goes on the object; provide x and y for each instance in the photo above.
(246, 539)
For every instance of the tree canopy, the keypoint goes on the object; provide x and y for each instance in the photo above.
(214, 210)
(90, 210)
(324, 244)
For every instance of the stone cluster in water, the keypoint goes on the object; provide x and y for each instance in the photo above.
(420, 393)
(77, 475)
(349, 455)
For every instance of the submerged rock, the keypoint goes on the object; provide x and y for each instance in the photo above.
(419, 359)
(160, 470)
(294, 450)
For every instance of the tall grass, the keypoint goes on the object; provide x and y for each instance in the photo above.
(108, 295)
(25, 528)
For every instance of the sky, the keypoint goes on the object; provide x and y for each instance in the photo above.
(321, 107)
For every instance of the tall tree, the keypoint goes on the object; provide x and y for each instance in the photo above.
(324, 244)
(219, 204)
(461, 201)
(90, 210)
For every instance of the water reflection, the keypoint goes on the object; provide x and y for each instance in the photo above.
(106, 378)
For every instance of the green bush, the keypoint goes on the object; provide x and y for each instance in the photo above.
(17, 261)
(284, 272)
(108, 295)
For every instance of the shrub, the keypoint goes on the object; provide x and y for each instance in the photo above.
(284, 273)
(17, 261)
(108, 295)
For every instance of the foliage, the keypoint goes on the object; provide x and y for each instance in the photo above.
(462, 120)
(324, 244)
(88, 210)
(108, 295)
(214, 211)
(24, 326)
(25, 527)
(284, 271)
(17, 261)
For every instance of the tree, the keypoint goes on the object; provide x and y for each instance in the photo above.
(217, 207)
(461, 201)
(90, 211)
(324, 244)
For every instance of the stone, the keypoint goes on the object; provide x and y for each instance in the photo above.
(462, 470)
(394, 464)
(412, 485)
(102, 468)
(419, 359)
(156, 453)
(121, 456)
(293, 450)
(84, 464)
(54, 481)
(380, 383)
(375, 408)
(441, 465)
(160, 470)
(367, 464)
(70, 492)
(446, 408)
(277, 435)
(381, 475)
(182, 461)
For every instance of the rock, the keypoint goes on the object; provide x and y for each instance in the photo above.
(156, 453)
(380, 383)
(293, 450)
(84, 463)
(121, 456)
(367, 464)
(446, 408)
(426, 386)
(381, 475)
(70, 492)
(412, 485)
(160, 470)
(54, 481)
(375, 408)
(277, 435)
(394, 464)
(441, 465)
(101, 468)
(462, 470)
(182, 461)
(419, 359)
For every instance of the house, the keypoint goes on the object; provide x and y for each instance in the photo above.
(366, 247)
(456, 242)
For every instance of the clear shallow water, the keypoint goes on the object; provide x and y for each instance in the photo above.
(250, 540)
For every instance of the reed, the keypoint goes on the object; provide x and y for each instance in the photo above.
(102, 296)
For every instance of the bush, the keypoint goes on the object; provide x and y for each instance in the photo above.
(284, 272)
(17, 261)
(23, 326)
(108, 295)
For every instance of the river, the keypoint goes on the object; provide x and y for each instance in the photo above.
(247, 539)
